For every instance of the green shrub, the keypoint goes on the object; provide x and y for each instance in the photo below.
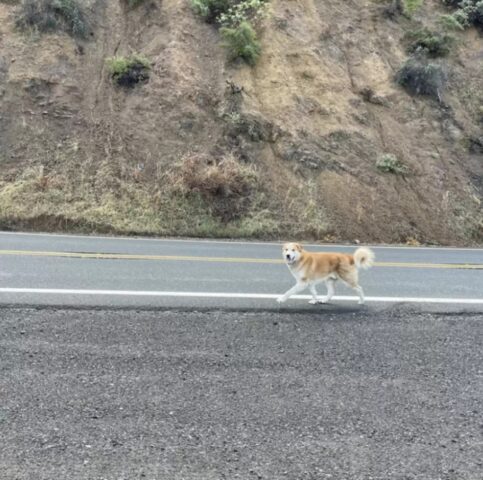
(448, 22)
(128, 71)
(134, 3)
(410, 6)
(53, 15)
(389, 163)
(211, 10)
(433, 44)
(241, 42)
(236, 19)
(467, 13)
(242, 10)
(452, 3)
(422, 78)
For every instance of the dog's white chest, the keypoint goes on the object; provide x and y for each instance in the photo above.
(295, 272)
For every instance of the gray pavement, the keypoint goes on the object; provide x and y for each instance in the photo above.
(132, 394)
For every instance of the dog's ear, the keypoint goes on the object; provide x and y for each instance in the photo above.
(298, 247)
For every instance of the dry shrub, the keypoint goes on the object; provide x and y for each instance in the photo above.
(226, 184)
(53, 15)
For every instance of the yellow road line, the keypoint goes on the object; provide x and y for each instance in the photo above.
(127, 256)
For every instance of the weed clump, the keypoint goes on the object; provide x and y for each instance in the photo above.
(468, 13)
(241, 42)
(389, 163)
(211, 10)
(226, 185)
(419, 77)
(129, 71)
(411, 6)
(433, 44)
(134, 3)
(237, 20)
(53, 15)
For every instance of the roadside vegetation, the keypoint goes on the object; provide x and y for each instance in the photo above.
(465, 13)
(428, 42)
(46, 16)
(389, 163)
(128, 71)
(237, 21)
(196, 197)
(420, 77)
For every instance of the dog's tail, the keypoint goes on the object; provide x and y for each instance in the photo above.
(364, 257)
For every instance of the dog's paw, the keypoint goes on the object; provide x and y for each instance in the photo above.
(324, 300)
(281, 300)
(316, 302)
(361, 302)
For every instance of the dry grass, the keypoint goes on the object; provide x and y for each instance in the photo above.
(226, 185)
(198, 197)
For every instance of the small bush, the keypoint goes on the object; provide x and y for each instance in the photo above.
(467, 13)
(226, 185)
(433, 44)
(410, 6)
(133, 3)
(236, 19)
(211, 10)
(241, 42)
(448, 22)
(53, 15)
(452, 3)
(422, 78)
(128, 71)
(389, 163)
(243, 10)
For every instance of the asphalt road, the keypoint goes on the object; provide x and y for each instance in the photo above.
(73, 270)
(126, 359)
(169, 395)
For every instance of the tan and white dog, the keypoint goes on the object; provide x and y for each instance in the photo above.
(310, 268)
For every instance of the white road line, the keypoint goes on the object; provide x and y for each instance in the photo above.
(253, 296)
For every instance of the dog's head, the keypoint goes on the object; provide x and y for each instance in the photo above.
(291, 252)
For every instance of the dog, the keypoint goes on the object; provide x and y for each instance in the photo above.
(310, 268)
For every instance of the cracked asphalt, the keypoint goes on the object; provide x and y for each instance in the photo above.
(147, 394)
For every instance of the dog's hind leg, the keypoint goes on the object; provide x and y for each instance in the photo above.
(298, 287)
(360, 292)
(351, 278)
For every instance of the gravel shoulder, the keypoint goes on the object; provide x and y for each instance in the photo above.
(132, 394)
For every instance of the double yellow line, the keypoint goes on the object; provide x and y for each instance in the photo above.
(185, 258)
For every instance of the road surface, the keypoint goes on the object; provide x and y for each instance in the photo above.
(169, 395)
(135, 359)
(76, 270)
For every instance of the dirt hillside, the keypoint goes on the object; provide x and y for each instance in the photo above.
(286, 148)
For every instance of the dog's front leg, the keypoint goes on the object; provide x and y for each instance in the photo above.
(330, 290)
(298, 287)
(313, 291)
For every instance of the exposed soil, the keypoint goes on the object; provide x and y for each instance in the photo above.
(311, 118)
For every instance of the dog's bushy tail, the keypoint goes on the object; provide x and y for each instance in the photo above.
(364, 257)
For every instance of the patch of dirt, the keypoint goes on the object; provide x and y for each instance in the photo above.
(312, 118)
